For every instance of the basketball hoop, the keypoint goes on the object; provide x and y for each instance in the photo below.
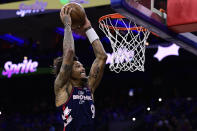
(128, 41)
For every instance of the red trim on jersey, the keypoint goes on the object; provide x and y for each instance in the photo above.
(69, 97)
(63, 107)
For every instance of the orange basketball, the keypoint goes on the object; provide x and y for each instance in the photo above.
(77, 14)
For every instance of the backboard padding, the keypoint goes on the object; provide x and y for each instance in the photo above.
(150, 20)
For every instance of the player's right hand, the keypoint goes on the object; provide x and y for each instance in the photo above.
(65, 15)
(82, 29)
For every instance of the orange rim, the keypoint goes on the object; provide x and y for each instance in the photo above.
(115, 15)
(119, 16)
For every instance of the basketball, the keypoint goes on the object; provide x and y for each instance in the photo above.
(77, 14)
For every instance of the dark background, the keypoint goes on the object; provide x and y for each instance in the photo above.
(173, 77)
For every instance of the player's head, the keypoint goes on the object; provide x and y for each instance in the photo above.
(78, 71)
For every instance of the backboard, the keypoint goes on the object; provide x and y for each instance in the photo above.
(147, 13)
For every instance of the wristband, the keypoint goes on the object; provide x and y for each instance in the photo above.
(91, 34)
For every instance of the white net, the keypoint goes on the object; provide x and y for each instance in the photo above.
(128, 44)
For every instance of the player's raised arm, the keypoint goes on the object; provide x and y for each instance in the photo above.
(62, 79)
(98, 65)
(97, 69)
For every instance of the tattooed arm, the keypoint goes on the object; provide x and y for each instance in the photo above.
(62, 80)
(97, 68)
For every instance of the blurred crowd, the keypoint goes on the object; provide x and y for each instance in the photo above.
(176, 114)
(40, 117)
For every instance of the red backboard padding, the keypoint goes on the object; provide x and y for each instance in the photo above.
(182, 15)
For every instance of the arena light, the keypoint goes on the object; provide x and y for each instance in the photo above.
(148, 109)
(160, 99)
(133, 119)
(131, 92)
(189, 98)
(163, 52)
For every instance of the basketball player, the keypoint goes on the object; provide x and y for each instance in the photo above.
(74, 91)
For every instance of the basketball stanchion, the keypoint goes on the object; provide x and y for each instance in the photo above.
(128, 42)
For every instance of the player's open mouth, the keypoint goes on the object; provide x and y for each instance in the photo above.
(83, 73)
